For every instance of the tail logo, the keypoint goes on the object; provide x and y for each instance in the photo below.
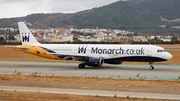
(25, 38)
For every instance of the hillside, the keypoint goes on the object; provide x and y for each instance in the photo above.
(135, 15)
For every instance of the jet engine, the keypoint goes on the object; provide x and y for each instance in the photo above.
(95, 62)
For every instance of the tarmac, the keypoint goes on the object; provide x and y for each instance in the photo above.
(161, 72)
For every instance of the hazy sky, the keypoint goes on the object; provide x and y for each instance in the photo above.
(19, 8)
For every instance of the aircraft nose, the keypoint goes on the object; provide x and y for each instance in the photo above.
(168, 56)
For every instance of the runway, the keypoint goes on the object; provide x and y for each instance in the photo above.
(92, 92)
(162, 72)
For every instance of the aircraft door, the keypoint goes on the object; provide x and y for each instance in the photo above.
(149, 51)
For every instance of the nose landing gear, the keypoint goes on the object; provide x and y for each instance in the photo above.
(151, 66)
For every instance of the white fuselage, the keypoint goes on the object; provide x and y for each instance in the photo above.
(106, 51)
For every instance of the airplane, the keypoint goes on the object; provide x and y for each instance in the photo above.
(94, 55)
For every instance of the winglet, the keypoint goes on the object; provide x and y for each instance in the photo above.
(26, 35)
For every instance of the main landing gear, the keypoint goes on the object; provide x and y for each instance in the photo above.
(81, 66)
(151, 66)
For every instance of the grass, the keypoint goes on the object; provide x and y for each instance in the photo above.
(28, 96)
(90, 82)
(18, 73)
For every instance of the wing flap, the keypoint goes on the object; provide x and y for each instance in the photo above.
(65, 54)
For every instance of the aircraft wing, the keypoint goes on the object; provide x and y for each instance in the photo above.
(66, 56)
(78, 55)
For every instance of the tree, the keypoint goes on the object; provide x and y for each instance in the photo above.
(2, 39)
(11, 37)
(175, 40)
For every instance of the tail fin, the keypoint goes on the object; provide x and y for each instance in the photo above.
(26, 35)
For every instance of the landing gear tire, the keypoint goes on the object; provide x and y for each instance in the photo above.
(81, 66)
(151, 68)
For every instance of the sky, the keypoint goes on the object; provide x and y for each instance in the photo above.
(20, 8)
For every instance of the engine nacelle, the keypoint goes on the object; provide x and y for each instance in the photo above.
(95, 62)
(113, 62)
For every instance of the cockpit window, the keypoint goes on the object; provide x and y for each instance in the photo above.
(161, 50)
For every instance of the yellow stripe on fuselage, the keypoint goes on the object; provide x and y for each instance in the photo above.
(38, 51)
